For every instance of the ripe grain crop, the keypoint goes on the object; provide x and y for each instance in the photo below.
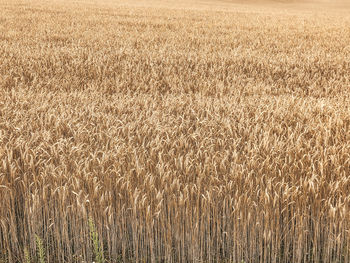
(181, 131)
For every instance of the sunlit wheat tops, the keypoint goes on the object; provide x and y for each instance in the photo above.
(204, 132)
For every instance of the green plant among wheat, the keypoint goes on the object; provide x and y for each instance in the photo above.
(98, 248)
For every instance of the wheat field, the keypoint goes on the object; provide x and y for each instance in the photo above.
(179, 131)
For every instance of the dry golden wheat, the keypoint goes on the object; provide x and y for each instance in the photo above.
(188, 131)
